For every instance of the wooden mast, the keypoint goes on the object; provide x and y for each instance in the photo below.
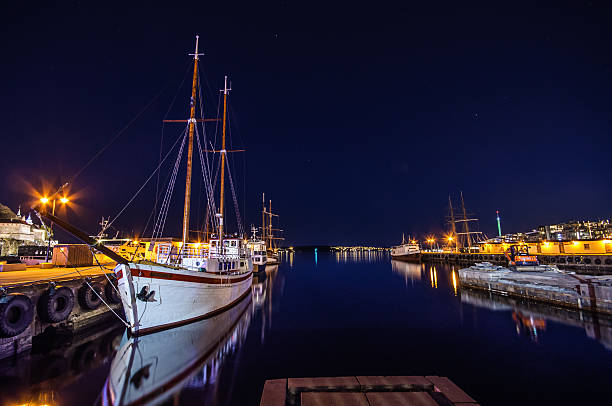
(270, 231)
(263, 217)
(452, 215)
(466, 227)
(222, 191)
(192, 122)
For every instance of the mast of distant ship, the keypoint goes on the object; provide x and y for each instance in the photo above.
(222, 197)
(192, 122)
(263, 217)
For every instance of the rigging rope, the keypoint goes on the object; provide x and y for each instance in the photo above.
(210, 196)
(142, 187)
(236, 207)
(163, 212)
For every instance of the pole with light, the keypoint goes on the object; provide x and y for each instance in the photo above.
(52, 200)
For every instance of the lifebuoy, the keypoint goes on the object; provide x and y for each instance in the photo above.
(56, 304)
(88, 298)
(111, 293)
(16, 314)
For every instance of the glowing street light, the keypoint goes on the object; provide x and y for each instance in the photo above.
(44, 200)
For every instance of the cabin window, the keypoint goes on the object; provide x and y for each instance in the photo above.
(241, 263)
(233, 243)
(220, 266)
(213, 243)
(587, 246)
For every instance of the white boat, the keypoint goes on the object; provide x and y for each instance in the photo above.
(257, 248)
(406, 251)
(164, 284)
(153, 369)
(189, 285)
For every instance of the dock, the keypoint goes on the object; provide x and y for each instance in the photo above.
(598, 264)
(364, 391)
(582, 292)
(80, 308)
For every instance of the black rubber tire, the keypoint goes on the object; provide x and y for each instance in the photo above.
(87, 298)
(56, 304)
(608, 261)
(112, 296)
(85, 357)
(16, 314)
(597, 261)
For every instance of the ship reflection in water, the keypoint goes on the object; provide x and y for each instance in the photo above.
(267, 287)
(531, 318)
(155, 368)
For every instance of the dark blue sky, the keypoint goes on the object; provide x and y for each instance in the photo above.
(359, 119)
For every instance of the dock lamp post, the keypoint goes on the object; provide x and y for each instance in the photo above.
(53, 201)
(450, 241)
(431, 242)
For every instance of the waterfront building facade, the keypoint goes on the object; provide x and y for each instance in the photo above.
(17, 230)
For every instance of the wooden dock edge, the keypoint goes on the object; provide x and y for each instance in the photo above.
(366, 390)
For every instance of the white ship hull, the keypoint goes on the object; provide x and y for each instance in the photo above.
(156, 297)
(406, 252)
(153, 369)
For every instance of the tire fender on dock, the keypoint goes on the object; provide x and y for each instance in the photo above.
(16, 314)
(88, 298)
(56, 304)
(111, 294)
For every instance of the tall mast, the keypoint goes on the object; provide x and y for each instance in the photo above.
(452, 215)
(465, 220)
(222, 191)
(263, 217)
(270, 222)
(190, 148)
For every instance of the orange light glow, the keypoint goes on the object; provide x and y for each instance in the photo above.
(44, 200)
(64, 200)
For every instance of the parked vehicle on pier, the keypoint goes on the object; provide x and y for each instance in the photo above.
(519, 258)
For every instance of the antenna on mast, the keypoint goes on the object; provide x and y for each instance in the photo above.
(196, 54)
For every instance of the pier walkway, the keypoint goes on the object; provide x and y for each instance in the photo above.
(36, 274)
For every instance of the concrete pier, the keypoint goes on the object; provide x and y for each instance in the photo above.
(34, 282)
(364, 390)
(600, 264)
(582, 292)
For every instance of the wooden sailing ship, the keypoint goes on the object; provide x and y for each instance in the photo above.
(174, 286)
(269, 233)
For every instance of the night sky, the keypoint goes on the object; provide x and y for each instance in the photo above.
(358, 119)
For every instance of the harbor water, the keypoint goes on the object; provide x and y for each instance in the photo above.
(337, 314)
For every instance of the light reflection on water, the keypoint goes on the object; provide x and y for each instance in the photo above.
(356, 313)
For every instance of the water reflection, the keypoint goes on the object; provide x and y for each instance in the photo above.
(60, 363)
(360, 256)
(409, 270)
(531, 318)
(266, 288)
(155, 368)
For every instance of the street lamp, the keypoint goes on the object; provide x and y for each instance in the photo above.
(44, 200)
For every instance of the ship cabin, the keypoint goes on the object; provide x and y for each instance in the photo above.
(258, 252)
(233, 258)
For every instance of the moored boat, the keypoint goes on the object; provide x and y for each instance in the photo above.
(406, 251)
(165, 283)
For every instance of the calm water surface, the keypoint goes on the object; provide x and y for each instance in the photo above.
(335, 314)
